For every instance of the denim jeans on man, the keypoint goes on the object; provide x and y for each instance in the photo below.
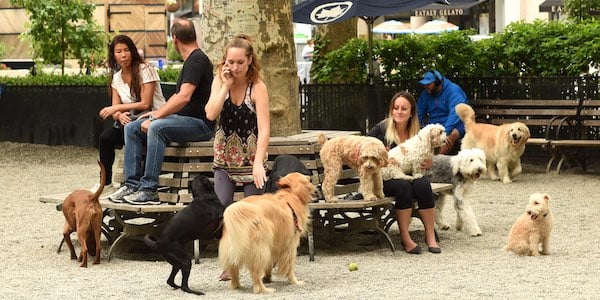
(174, 128)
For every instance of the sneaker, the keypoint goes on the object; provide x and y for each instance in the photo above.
(142, 198)
(117, 197)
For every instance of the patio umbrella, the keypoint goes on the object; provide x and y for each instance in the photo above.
(435, 26)
(331, 11)
(393, 27)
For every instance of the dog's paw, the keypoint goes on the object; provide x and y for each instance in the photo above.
(298, 282)
(370, 197)
(475, 233)
(332, 200)
(506, 180)
(444, 226)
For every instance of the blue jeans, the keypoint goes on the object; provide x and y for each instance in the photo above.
(174, 128)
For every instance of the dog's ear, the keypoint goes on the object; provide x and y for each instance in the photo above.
(455, 164)
(546, 198)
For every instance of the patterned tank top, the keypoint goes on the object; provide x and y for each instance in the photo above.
(236, 137)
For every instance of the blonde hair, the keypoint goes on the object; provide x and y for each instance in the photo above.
(243, 41)
(391, 135)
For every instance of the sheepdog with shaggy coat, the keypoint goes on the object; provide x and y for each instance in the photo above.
(461, 170)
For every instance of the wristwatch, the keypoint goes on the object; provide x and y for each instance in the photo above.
(151, 118)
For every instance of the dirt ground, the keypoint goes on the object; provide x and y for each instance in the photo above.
(469, 267)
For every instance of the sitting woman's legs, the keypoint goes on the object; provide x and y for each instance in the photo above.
(402, 192)
(424, 195)
(109, 139)
(224, 187)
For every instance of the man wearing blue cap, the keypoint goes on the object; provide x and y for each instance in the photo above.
(436, 105)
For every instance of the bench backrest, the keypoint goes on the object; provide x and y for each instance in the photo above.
(539, 115)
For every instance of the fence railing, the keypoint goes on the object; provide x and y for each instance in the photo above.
(360, 106)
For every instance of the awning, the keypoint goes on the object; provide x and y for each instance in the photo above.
(552, 6)
(454, 9)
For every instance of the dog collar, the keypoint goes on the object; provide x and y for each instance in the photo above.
(295, 218)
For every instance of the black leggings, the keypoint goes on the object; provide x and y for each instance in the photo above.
(404, 192)
(109, 140)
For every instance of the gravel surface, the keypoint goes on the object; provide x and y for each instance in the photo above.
(469, 267)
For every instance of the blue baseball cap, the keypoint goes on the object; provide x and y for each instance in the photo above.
(428, 78)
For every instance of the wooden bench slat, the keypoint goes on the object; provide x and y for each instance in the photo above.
(526, 112)
(523, 102)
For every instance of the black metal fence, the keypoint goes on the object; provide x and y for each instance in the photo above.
(360, 106)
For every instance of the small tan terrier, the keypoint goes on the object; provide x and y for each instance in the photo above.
(532, 228)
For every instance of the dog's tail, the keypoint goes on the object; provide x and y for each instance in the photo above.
(151, 241)
(466, 113)
(102, 181)
(244, 233)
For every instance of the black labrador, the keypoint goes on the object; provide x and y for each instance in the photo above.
(201, 219)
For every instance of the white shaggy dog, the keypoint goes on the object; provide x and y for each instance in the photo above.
(461, 170)
(404, 160)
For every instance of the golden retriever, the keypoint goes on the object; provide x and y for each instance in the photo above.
(264, 231)
(503, 145)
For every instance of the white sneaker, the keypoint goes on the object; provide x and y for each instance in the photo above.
(117, 196)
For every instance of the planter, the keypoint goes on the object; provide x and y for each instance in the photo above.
(52, 115)
(173, 7)
(56, 115)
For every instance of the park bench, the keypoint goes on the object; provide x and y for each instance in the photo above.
(543, 117)
(571, 142)
(186, 160)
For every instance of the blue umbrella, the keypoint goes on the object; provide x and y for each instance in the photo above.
(331, 11)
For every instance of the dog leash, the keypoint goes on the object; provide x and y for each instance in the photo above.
(295, 218)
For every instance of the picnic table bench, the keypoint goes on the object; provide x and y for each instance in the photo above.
(556, 125)
(184, 161)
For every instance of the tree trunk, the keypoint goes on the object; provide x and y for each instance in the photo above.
(269, 24)
(337, 34)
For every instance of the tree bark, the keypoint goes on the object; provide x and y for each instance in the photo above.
(269, 24)
(337, 34)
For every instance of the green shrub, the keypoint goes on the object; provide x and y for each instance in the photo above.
(540, 48)
(50, 79)
(172, 54)
(169, 74)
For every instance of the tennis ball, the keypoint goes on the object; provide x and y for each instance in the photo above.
(352, 266)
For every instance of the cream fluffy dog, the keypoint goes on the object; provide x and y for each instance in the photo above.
(503, 145)
(404, 160)
(365, 154)
(263, 231)
(532, 228)
(462, 170)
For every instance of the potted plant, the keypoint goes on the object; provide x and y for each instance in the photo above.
(173, 5)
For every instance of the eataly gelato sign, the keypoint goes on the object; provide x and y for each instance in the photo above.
(439, 12)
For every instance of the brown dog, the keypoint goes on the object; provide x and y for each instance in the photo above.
(503, 145)
(83, 214)
(365, 154)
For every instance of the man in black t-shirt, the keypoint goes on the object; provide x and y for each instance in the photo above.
(181, 119)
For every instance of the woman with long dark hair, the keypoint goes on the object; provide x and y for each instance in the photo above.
(135, 88)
